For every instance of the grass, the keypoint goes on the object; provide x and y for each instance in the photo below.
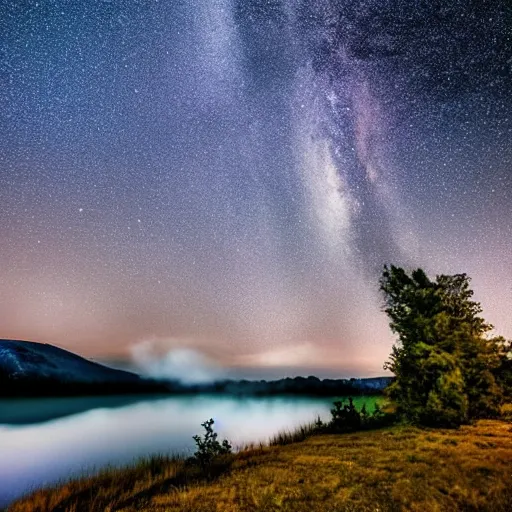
(293, 436)
(506, 412)
(392, 469)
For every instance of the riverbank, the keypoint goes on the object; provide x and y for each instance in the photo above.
(391, 469)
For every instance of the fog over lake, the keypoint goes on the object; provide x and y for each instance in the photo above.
(46, 440)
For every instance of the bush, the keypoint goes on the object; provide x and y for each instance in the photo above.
(346, 417)
(208, 448)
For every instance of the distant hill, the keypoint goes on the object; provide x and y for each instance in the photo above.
(309, 386)
(36, 369)
(29, 368)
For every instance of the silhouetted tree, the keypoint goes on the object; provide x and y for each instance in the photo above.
(445, 363)
(208, 448)
(345, 415)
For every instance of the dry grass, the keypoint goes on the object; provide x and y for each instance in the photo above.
(393, 469)
(293, 436)
(506, 412)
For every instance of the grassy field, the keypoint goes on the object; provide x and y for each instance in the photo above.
(392, 469)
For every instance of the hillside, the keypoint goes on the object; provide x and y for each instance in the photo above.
(29, 368)
(393, 469)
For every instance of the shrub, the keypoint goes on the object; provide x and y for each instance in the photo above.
(346, 417)
(208, 448)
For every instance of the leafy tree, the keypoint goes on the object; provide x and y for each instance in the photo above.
(445, 362)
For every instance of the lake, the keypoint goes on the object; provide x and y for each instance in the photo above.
(45, 440)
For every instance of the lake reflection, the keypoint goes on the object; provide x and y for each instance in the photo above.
(88, 433)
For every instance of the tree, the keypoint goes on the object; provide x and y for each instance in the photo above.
(445, 362)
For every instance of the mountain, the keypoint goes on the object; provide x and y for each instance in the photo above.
(29, 368)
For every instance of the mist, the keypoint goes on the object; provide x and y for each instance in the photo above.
(186, 365)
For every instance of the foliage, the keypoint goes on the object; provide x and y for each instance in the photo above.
(346, 417)
(446, 365)
(504, 372)
(208, 448)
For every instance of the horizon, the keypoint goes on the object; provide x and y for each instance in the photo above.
(230, 178)
(217, 371)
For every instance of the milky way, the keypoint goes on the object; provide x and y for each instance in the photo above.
(231, 175)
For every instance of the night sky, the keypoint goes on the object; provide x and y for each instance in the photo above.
(231, 175)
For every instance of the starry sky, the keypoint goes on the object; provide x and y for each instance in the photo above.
(230, 176)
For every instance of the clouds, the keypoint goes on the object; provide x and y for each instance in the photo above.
(172, 359)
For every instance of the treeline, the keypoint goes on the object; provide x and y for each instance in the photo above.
(308, 386)
(300, 386)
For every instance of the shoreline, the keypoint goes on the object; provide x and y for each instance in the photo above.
(445, 468)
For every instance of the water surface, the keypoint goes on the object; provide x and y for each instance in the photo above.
(46, 440)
